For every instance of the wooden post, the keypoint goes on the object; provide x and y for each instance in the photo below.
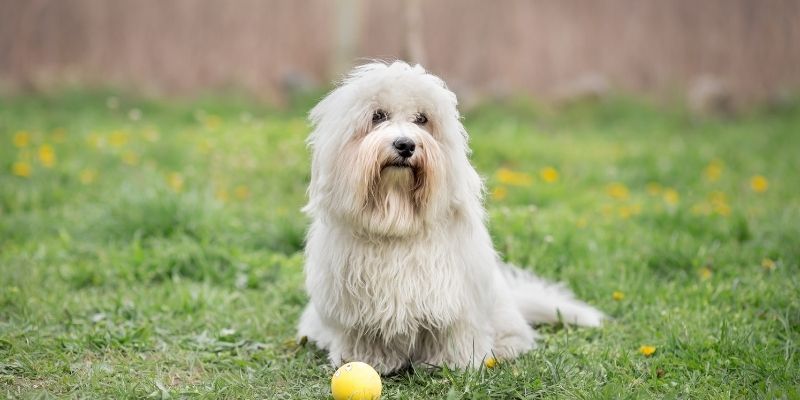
(348, 29)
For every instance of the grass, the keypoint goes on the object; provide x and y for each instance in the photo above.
(153, 249)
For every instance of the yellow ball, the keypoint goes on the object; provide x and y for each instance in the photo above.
(356, 381)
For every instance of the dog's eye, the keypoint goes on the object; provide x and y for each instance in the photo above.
(420, 119)
(379, 116)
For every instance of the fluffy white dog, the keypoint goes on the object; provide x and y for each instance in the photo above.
(400, 267)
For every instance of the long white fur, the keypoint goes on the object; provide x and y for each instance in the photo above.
(400, 267)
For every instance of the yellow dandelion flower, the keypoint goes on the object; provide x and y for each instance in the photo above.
(618, 191)
(628, 211)
(581, 222)
(513, 178)
(624, 212)
(175, 181)
(768, 264)
(130, 158)
(617, 295)
(722, 209)
(94, 140)
(499, 193)
(717, 197)
(118, 138)
(87, 176)
(47, 156)
(713, 170)
(654, 189)
(221, 194)
(759, 184)
(241, 192)
(702, 208)
(204, 146)
(549, 174)
(671, 197)
(490, 362)
(705, 273)
(647, 351)
(21, 139)
(719, 203)
(21, 169)
(212, 122)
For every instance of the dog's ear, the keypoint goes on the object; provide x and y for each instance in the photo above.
(338, 115)
(321, 120)
(468, 187)
(336, 122)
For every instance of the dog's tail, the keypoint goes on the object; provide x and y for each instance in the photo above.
(541, 301)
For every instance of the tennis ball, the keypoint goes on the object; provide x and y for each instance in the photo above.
(356, 381)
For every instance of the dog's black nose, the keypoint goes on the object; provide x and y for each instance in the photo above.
(405, 146)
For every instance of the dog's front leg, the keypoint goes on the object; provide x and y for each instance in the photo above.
(462, 345)
(382, 356)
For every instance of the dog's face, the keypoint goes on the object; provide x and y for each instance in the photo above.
(389, 152)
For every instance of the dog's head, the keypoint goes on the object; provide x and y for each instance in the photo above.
(389, 152)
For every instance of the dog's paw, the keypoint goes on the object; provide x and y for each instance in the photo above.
(511, 346)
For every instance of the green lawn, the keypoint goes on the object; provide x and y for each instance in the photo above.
(155, 249)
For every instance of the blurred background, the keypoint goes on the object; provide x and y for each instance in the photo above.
(723, 54)
(153, 166)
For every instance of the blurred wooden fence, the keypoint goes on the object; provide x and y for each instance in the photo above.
(543, 47)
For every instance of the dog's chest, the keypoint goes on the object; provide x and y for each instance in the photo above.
(400, 288)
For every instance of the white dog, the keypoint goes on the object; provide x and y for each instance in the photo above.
(400, 267)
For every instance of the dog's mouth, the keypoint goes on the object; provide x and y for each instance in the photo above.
(397, 164)
(401, 172)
